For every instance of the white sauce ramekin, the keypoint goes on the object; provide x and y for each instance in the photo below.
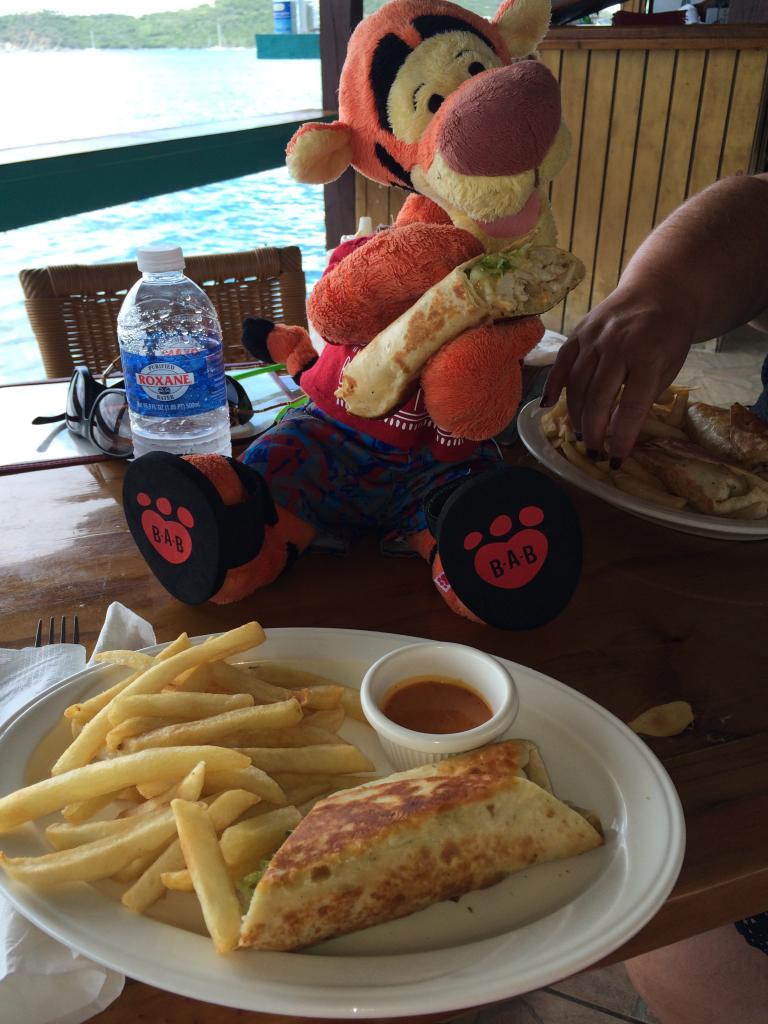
(407, 748)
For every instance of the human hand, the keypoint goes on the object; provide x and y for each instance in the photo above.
(628, 339)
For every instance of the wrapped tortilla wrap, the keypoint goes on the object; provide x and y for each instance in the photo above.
(522, 282)
(735, 433)
(708, 484)
(398, 844)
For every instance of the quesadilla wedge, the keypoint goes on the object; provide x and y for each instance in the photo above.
(520, 282)
(735, 434)
(401, 843)
(709, 484)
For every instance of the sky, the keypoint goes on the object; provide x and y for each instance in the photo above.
(135, 7)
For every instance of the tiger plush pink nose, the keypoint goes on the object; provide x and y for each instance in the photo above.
(501, 122)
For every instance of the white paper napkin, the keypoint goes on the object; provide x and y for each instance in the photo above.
(42, 981)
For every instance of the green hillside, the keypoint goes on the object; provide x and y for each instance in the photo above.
(236, 20)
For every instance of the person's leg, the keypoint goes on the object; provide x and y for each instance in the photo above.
(713, 978)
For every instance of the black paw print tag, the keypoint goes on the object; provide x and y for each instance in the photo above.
(510, 545)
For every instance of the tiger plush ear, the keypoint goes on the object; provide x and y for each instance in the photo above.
(523, 24)
(319, 153)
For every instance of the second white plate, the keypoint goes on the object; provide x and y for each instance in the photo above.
(684, 520)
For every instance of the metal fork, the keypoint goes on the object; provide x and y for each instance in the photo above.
(39, 642)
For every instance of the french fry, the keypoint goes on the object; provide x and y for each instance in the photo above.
(85, 711)
(664, 719)
(177, 881)
(189, 788)
(679, 408)
(84, 748)
(207, 730)
(131, 659)
(194, 680)
(657, 428)
(226, 808)
(93, 780)
(251, 779)
(245, 845)
(63, 836)
(313, 786)
(279, 674)
(136, 867)
(631, 485)
(129, 728)
(322, 759)
(182, 706)
(82, 810)
(297, 736)
(91, 861)
(323, 696)
(330, 720)
(581, 461)
(152, 789)
(239, 679)
(316, 787)
(213, 885)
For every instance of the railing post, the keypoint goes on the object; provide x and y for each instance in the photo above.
(337, 20)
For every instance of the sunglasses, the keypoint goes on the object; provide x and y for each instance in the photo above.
(98, 412)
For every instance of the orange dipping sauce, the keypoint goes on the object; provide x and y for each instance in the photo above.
(435, 705)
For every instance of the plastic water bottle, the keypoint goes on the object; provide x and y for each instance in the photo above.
(173, 360)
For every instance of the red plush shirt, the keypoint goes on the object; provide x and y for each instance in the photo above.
(408, 427)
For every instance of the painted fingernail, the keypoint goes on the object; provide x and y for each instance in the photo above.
(578, 436)
(615, 462)
(593, 454)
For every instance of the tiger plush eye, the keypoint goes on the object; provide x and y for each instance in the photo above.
(475, 68)
(435, 102)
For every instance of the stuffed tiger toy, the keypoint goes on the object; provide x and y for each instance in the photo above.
(459, 111)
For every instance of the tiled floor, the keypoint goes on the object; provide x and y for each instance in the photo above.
(603, 996)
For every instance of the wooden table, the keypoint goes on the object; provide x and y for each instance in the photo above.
(659, 616)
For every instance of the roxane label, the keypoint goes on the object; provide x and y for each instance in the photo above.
(180, 385)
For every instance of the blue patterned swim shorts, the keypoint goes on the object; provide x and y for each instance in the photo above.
(341, 481)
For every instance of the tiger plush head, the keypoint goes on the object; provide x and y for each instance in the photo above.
(439, 101)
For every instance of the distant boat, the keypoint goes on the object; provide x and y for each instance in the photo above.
(93, 42)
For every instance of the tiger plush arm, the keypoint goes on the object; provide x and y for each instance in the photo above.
(379, 280)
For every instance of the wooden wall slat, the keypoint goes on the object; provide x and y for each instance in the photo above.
(377, 203)
(397, 197)
(681, 127)
(573, 80)
(710, 131)
(747, 91)
(650, 144)
(589, 194)
(551, 60)
(618, 175)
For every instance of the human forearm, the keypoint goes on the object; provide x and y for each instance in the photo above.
(709, 259)
(700, 273)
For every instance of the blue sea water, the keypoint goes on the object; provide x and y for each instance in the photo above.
(105, 92)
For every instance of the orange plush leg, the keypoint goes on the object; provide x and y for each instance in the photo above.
(424, 544)
(472, 386)
(284, 539)
(208, 527)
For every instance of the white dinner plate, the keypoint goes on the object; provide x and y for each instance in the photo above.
(531, 434)
(536, 927)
